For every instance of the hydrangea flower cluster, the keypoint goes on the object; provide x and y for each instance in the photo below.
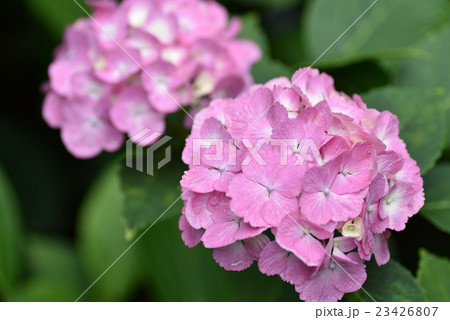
(301, 178)
(135, 62)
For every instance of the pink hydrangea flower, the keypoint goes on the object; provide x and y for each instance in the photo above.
(135, 62)
(339, 273)
(322, 176)
(275, 260)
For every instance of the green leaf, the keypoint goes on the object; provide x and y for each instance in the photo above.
(430, 69)
(147, 197)
(389, 283)
(422, 126)
(287, 46)
(10, 236)
(269, 4)
(55, 272)
(387, 29)
(52, 257)
(444, 17)
(353, 78)
(179, 273)
(252, 30)
(446, 104)
(102, 240)
(44, 289)
(267, 69)
(432, 276)
(437, 204)
(56, 15)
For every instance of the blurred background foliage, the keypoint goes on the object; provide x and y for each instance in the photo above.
(64, 221)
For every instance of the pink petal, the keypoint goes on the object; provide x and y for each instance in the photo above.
(297, 272)
(247, 205)
(200, 179)
(394, 206)
(356, 169)
(224, 179)
(164, 101)
(380, 247)
(334, 148)
(246, 231)
(318, 179)
(242, 116)
(320, 288)
(80, 145)
(295, 236)
(390, 163)
(233, 257)
(220, 234)
(201, 207)
(276, 207)
(273, 259)
(115, 66)
(320, 208)
(53, 110)
(190, 236)
(132, 113)
(289, 180)
(343, 104)
(349, 277)
(256, 245)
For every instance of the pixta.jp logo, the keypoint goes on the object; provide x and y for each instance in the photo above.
(138, 141)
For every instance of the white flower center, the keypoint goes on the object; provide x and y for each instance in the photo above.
(160, 29)
(172, 55)
(203, 84)
(137, 17)
(353, 228)
(100, 63)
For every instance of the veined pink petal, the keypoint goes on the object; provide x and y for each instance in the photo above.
(296, 235)
(203, 209)
(190, 236)
(255, 245)
(322, 208)
(220, 234)
(247, 205)
(273, 259)
(320, 288)
(233, 257)
(349, 277)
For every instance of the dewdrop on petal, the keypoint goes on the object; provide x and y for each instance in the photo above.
(319, 173)
(107, 73)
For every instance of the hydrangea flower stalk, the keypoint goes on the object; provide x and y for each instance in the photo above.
(301, 178)
(135, 62)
